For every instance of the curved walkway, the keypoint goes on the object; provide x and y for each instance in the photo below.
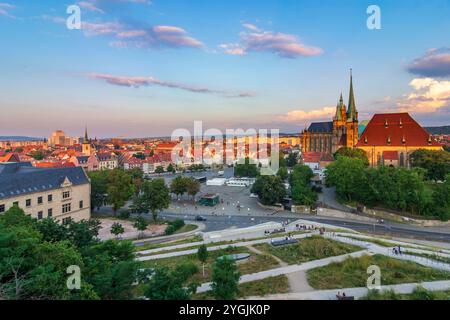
(405, 288)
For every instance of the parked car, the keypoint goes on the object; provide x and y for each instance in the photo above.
(200, 218)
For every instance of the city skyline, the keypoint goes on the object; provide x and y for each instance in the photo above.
(142, 68)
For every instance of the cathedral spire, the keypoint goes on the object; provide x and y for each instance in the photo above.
(86, 139)
(339, 107)
(351, 111)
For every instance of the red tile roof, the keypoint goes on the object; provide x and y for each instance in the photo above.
(9, 157)
(394, 129)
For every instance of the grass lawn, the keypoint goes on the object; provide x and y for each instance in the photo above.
(434, 257)
(419, 293)
(353, 272)
(307, 249)
(254, 263)
(386, 243)
(168, 244)
(186, 228)
(272, 285)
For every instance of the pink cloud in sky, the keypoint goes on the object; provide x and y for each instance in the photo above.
(138, 82)
(256, 40)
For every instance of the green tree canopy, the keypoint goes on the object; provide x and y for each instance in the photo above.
(352, 153)
(154, 196)
(225, 279)
(246, 169)
(270, 189)
(436, 163)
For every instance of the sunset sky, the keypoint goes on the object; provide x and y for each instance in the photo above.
(142, 68)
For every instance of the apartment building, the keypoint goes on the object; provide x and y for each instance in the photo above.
(58, 193)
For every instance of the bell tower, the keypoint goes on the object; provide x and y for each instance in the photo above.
(86, 146)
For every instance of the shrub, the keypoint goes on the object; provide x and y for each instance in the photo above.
(170, 230)
(124, 214)
(186, 270)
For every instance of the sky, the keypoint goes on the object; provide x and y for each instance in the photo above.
(139, 68)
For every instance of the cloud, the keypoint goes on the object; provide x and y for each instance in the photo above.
(435, 63)
(90, 6)
(429, 95)
(325, 113)
(127, 36)
(138, 82)
(233, 49)
(256, 40)
(5, 9)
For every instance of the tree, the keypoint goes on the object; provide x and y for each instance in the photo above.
(168, 285)
(352, 153)
(111, 268)
(291, 160)
(120, 188)
(202, 255)
(117, 229)
(154, 197)
(141, 225)
(192, 187)
(436, 163)
(225, 279)
(246, 169)
(38, 155)
(159, 169)
(347, 175)
(34, 256)
(300, 181)
(99, 188)
(139, 155)
(283, 173)
(441, 200)
(171, 168)
(137, 179)
(178, 186)
(270, 189)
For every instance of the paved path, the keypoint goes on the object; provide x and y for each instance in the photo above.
(404, 288)
(213, 248)
(298, 281)
(289, 269)
(387, 251)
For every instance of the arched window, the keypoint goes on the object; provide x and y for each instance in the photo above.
(402, 159)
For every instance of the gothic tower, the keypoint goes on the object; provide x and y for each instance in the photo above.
(352, 117)
(86, 146)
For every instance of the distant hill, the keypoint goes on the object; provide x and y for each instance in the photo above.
(438, 130)
(19, 138)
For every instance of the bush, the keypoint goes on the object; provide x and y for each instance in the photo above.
(186, 270)
(170, 230)
(178, 223)
(124, 214)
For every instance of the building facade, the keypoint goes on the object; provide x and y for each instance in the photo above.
(58, 193)
(328, 137)
(390, 138)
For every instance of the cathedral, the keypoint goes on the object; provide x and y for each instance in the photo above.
(328, 137)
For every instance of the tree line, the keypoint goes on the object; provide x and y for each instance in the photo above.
(406, 190)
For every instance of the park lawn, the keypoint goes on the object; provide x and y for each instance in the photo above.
(419, 293)
(386, 243)
(307, 249)
(271, 285)
(254, 263)
(150, 246)
(353, 272)
(186, 228)
(430, 256)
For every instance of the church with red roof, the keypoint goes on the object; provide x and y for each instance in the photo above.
(390, 138)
